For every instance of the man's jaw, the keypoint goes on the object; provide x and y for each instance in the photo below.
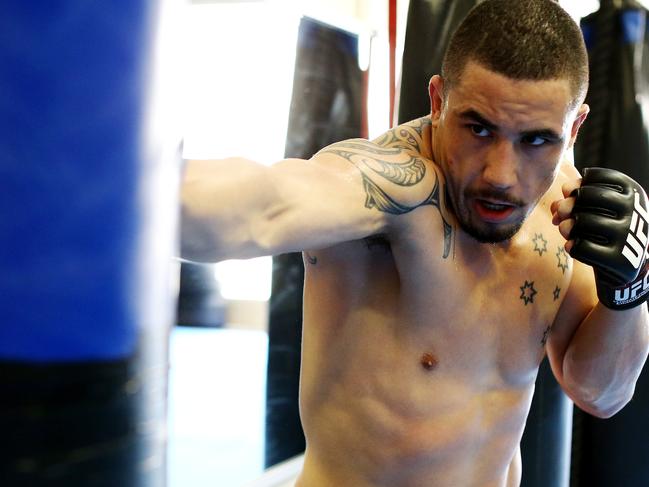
(496, 216)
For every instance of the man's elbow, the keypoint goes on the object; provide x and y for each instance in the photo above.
(604, 405)
(197, 240)
(198, 254)
(203, 241)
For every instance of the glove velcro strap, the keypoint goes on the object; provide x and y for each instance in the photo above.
(627, 295)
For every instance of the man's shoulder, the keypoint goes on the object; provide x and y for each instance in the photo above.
(411, 136)
(397, 177)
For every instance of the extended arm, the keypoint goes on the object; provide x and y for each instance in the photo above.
(235, 208)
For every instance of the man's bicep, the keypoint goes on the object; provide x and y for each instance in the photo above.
(236, 208)
(320, 202)
(347, 191)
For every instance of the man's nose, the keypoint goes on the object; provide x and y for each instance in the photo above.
(501, 166)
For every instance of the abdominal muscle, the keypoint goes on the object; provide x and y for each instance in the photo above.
(451, 450)
(374, 420)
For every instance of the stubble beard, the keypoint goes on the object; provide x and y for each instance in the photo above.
(483, 232)
(490, 233)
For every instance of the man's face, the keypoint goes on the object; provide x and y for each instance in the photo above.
(499, 142)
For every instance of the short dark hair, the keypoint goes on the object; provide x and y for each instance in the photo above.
(520, 39)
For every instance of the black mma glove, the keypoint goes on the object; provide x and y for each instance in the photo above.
(611, 234)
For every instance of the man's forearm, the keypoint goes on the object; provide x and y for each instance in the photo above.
(605, 358)
(222, 207)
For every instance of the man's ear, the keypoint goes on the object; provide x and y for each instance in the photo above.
(582, 113)
(436, 93)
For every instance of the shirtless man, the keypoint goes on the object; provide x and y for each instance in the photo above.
(438, 263)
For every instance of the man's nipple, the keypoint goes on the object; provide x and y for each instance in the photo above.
(428, 361)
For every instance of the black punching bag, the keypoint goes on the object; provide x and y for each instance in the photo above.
(613, 452)
(615, 134)
(429, 28)
(545, 446)
(326, 107)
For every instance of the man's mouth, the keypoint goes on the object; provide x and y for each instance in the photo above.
(493, 211)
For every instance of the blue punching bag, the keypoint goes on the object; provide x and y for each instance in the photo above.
(87, 220)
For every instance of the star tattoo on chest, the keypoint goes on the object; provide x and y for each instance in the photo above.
(528, 292)
(540, 244)
(556, 293)
(562, 259)
(546, 334)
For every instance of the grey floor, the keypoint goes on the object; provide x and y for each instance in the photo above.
(217, 388)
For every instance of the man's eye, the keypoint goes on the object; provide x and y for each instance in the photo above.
(534, 140)
(479, 130)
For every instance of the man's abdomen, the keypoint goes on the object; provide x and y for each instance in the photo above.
(363, 435)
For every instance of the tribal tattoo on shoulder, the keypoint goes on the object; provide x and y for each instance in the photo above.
(395, 165)
(408, 136)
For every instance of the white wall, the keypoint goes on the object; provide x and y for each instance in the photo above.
(238, 82)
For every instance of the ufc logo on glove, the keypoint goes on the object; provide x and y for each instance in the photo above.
(636, 250)
(611, 235)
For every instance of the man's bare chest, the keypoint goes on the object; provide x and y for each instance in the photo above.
(494, 307)
(472, 313)
(437, 365)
